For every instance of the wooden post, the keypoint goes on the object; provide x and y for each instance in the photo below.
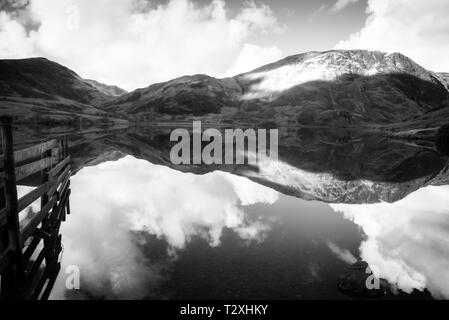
(48, 242)
(16, 271)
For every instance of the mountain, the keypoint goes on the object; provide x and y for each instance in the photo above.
(444, 78)
(189, 95)
(331, 88)
(108, 90)
(38, 88)
(334, 166)
(334, 88)
(43, 79)
(325, 165)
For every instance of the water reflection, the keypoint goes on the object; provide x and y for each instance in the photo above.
(110, 208)
(408, 241)
(155, 232)
(144, 228)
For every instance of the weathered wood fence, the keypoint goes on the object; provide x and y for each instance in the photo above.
(30, 243)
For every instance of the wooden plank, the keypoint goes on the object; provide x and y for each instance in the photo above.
(63, 213)
(3, 219)
(15, 241)
(64, 185)
(55, 214)
(50, 270)
(53, 172)
(33, 272)
(63, 177)
(29, 228)
(31, 152)
(4, 258)
(68, 206)
(51, 282)
(32, 168)
(34, 195)
(30, 249)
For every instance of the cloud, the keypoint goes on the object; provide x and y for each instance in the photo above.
(14, 40)
(133, 44)
(329, 9)
(343, 254)
(341, 4)
(407, 241)
(418, 29)
(252, 57)
(167, 204)
(11, 5)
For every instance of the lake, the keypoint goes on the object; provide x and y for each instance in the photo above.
(143, 228)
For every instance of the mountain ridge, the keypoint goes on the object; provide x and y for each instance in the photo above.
(43, 78)
(336, 87)
(43, 91)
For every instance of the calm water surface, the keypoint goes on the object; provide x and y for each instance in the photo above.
(142, 228)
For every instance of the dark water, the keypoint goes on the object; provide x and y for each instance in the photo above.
(143, 228)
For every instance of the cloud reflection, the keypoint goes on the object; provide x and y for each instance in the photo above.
(407, 241)
(112, 201)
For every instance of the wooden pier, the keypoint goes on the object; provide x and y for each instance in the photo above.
(30, 243)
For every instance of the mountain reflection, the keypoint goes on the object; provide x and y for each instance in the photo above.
(144, 228)
(334, 166)
(131, 233)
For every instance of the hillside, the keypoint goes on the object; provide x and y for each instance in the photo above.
(39, 90)
(332, 88)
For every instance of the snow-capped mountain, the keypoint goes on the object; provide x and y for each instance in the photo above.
(336, 88)
(331, 88)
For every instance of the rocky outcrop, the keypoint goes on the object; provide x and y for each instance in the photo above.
(444, 78)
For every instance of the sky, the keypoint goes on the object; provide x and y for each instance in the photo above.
(134, 43)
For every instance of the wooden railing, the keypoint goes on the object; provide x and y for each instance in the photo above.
(30, 249)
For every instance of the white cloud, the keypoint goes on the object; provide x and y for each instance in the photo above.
(133, 45)
(14, 41)
(407, 241)
(418, 29)
(343, 254)
(165, 203)
(252, 57)
(341, 4)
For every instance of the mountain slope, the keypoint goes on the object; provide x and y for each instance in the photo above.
(43, 79)
(336, 88)
(108, 90)
(39, 90)
(444, 78)
(197, 95)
